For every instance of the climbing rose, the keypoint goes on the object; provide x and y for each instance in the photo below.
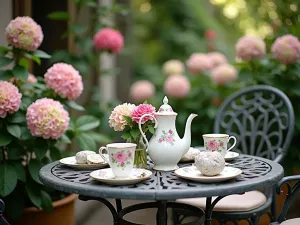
(172, 67)
(198, 62)
(142, 90)
(141, 110)
(286, 49)
(177, 86)
(223, 74)
(109, 39)
(10, 98)
(217, 58)
(64, 80)
(47, 118)
(24, 33)
(250, 47)
(116, 118)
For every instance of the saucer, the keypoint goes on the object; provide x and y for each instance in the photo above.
(108, 177)
(71, 162)
(192, 173)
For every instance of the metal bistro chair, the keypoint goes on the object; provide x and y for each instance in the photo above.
(2, 220)
(262, 119)
(292, 189)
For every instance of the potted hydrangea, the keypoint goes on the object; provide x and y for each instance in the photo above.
(35, 124)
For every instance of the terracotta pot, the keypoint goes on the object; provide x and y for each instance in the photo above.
(63, 213)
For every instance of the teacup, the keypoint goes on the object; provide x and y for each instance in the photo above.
(218, 142)
(121, 158)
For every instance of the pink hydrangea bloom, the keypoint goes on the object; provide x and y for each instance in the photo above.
(64, 80)
(24, 33)
(47, 118)
(10, 98)
(217, 58)
(172, 67)
(286, 49)
(116, 118)
(109, 39)
(177, 86)
(250, 47)
(223, 74)
(198, 62)
(142, 90)
(31, 79)
(141, 110)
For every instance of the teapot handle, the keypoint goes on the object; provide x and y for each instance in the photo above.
(141, 130)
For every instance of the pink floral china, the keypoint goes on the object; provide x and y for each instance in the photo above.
(107, 176)
(121, 158)
(218, 142)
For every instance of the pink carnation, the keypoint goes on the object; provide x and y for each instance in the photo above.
(64, 80)
(223, 74)
(141, 110)
(10, 98)
(109, 39)
(142, 90)
(250, 47)
(217, 58)
(177, 86)
(199, 62)
(24, 33)
(286, 49)
(47, 118)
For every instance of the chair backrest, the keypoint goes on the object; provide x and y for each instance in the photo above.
(2, 220)
(261, 118)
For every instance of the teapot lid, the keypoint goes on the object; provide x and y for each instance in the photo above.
(166, 109)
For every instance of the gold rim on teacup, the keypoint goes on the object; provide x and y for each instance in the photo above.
(215, 135)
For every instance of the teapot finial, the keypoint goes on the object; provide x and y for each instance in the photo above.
(166, 100)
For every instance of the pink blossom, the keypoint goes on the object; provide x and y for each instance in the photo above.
(142, 90)
(120, 157)
(221, 143)
(286, 49)
(47, 118)
(217, 58)
(250, 47)
(199, 62)
(65, 80)
(213, 145)
(160, 140)
(170, 132)
(224, 74)
(24, 33)
(31, 79)
(169, 139)
(109, 39)
(10, 98)
(210, 34)
(141, 110)
(129, 154)
(173, 67)
(177, 86)
(116, 118)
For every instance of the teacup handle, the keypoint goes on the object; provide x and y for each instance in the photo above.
(101, 154)
(234, 143)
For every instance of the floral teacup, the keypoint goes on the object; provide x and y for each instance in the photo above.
(121, 158)
(218, 142)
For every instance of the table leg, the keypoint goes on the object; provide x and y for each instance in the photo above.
(209, 208)
(119, 205)
(162, 216)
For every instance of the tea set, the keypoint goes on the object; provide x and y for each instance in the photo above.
(166, 149)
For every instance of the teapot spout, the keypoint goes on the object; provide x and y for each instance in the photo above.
(187, 132)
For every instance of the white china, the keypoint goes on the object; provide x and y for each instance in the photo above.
(192, 173)
(190, 155)
(218, 142)
(231, 155)
(107, 176)
(121, 158)
(166, 148)
(71, 162)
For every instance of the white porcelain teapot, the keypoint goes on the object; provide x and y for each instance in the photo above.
(166, 148)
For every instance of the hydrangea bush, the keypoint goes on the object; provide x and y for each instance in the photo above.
(36, 125)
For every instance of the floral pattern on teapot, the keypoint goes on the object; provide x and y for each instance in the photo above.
(167, 136)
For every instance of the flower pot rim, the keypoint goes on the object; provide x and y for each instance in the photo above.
(55, 204)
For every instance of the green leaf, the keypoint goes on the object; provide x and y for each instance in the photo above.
(6, 75)
(151, 130)
(101, 138)
(18, 117)
(135, 133)
(87, 122)
(34, 167)
(128, 120)
(33, 58)
(46, 201)
(14, 153)
(34, 193)
(41, 54)
(65, 139)
(86, 142)
(12, 209)
(25, 134)
(5, 139)
(24, 63)
(55, 154)
(78, 28)
(20, 72)
(5, 61)
(8, 179)
(75, 106)
(41, 152)
(58, 15)
(14, 130)
(126, 135)
(20, 171)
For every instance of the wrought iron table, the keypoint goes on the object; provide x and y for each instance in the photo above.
(163, 187)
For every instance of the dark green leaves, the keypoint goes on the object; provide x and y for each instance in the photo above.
(46, 201)
(5, 139)
(86, 142)
(75, 106)
(34, 167)
(20, 171)
(41, 54)
(128, 120)
(59, 15)
(87, 122)
(34, 193)
(5, 61)
(14, 130)
(17, 117)
(8, 179)
(20, 72)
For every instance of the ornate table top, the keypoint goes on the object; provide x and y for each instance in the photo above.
(257, 173)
